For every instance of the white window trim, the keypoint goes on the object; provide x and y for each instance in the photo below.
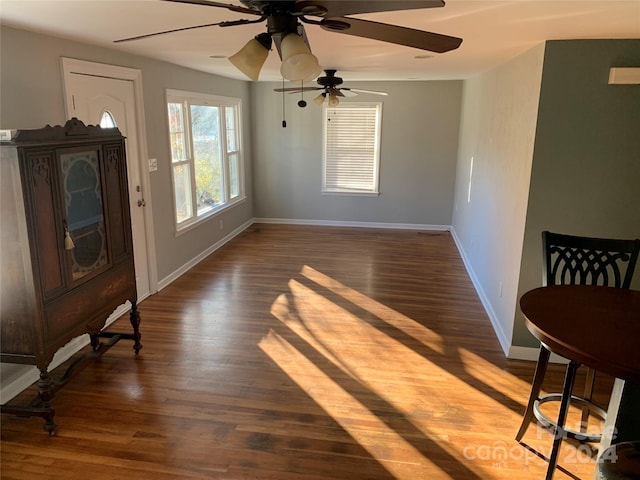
(375, 191)
(181, 96)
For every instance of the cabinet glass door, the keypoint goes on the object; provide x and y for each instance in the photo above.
(85, 236)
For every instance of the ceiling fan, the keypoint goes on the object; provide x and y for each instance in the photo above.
(284, 28)
(331, 89)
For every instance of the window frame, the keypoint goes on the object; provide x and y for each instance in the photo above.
(187, 100)
(375, 187)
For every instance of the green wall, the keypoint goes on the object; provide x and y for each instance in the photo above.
(585, 177)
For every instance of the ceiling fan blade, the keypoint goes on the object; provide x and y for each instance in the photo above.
(217, 24)
(410, 37)
(340, 8)
(347, 92)
(228, 6)
(372, 92)
(297, 89)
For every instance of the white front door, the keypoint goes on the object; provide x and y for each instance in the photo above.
(93, 99)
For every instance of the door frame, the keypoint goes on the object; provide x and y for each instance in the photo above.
(83, 67)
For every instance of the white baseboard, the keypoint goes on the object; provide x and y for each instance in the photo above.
(339, 223)
(514, 352)
(503, 338)
(531, 354)
(197, 259)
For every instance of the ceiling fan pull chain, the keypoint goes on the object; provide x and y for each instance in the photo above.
(301, 102)
(284, 122)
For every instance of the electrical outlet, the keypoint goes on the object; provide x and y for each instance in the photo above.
(153, 164)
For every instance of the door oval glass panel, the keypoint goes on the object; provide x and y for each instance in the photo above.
(85, 216)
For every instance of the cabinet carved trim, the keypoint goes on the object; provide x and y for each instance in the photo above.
(41, 171)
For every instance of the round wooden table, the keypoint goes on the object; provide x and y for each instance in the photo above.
(594, 326)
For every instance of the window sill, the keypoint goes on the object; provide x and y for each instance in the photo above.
(350, 193)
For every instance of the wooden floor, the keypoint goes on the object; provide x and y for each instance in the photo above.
(300, 353)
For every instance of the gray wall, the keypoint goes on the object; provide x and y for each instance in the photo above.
(497, 136)
(586, 165)
(419, 143)
(32, 96)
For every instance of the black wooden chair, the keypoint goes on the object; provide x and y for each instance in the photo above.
(572, 260)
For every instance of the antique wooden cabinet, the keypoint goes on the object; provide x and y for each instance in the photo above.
(66, 247)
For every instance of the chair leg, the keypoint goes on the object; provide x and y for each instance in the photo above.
(588, 392)
(569, 378)
(536, 386)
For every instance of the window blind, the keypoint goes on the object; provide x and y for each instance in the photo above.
(351, 149)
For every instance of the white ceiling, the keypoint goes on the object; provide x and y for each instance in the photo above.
(493, 32)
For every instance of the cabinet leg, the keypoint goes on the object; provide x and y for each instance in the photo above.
(134, 317)
(95, 342)
(46, 390)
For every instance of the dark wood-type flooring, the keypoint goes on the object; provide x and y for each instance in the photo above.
(301, 353)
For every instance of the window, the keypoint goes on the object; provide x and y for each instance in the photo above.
(352, 148)
(107, 120)
(206, 159)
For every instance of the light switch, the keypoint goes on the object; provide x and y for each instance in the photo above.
(7, 135)
(153, 164)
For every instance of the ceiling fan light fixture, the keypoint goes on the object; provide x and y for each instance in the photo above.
(298, 63)
(314, 75)
(333, 100)
(250, 58)
(319, 100)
